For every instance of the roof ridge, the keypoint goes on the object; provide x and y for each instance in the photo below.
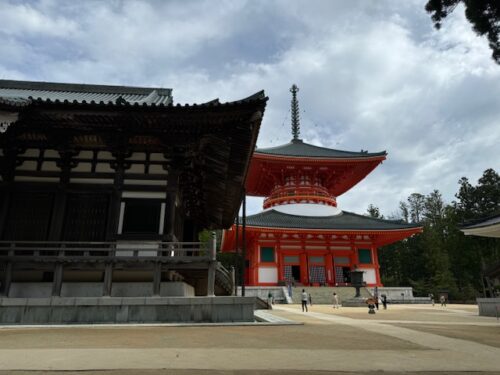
(399, 223)
(81, 87)
(362, 152)
(396, 221)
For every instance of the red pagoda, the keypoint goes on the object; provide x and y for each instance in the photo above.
(302, 236)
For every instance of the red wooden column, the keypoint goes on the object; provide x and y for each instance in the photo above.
(304, 272)
(330, 272)
(304, 269)
(330, 276)
(253, 264)
(280, 260)
(354, 255)
(377, 265)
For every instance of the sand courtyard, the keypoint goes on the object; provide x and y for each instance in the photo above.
(402, 339)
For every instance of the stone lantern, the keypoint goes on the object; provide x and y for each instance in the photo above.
(357, 281)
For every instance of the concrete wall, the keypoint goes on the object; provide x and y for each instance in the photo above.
(57, 310)
(94, 289)
(489, 306)
(394, 293)
(279, 293)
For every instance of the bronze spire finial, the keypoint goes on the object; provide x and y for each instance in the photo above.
(295, 113)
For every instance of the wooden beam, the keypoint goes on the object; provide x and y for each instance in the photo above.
(6, 280)
(58, 212)
(4, 209)
(211, 279)
(108, 280)
(57, 282)
(156, 279)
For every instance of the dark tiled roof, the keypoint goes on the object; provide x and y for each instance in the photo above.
(18, 93)
(23, 93)
(343, 221)
(485, 222)
(302, 149)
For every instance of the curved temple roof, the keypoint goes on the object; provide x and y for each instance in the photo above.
(488, 227)
(211, 142)
(343, 221)
(299, 148)
(20, 91)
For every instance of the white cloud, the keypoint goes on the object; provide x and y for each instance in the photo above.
(373, 75)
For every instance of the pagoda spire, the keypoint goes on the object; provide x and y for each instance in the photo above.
(295, 113)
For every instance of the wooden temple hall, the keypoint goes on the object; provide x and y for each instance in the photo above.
(104, 189)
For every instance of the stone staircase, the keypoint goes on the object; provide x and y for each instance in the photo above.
(322, 295)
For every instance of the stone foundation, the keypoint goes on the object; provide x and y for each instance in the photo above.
(95, 289)
(489, 306)
(89, 310)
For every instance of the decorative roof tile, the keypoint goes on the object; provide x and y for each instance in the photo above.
(301, 149)
(485, 222)
(343, 221)
(80, 93)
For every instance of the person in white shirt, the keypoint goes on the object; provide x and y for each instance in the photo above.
(335, 301)
(304, 300)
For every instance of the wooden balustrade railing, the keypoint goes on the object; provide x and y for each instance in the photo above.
(134, 249)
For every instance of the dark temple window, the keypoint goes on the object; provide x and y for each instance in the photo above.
(141, 216)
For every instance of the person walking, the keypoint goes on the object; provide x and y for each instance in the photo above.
(384, 301)
(442, 299)
(431, 296)
(270, 299)
(304, 299)
(335, 301)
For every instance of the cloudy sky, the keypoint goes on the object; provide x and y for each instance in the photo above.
(373, 75)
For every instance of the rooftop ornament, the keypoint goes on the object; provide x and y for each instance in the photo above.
(295, 113)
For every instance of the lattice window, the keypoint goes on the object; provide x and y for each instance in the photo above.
(317, 274)
(339, 275)
(288, 273)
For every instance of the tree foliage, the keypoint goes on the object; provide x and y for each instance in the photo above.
(374, 211)
(484, 15)
(442, 257)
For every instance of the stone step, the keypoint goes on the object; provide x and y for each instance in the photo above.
(324, 295)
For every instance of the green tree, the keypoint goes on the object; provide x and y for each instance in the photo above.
(404, 211)
(374, 211)
(442, 257)
(416, 206)
(472, 255)
(484, 15)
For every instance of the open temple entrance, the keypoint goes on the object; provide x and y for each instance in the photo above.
(295, 273)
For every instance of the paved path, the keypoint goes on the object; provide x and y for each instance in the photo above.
(368, 345)
(446, 354)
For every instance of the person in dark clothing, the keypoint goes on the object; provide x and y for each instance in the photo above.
(384, 301)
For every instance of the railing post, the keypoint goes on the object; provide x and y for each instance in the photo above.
(212, 268)
(7, 279)
(233, 281)
(57, 282)
(156, 279)
(108, 280)
(214, 246)
(211, 278)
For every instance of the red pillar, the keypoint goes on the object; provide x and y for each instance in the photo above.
(252, 263)
(304, 272)
(279, 262)
(377, 265)
(354, 255)
(330, 276)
